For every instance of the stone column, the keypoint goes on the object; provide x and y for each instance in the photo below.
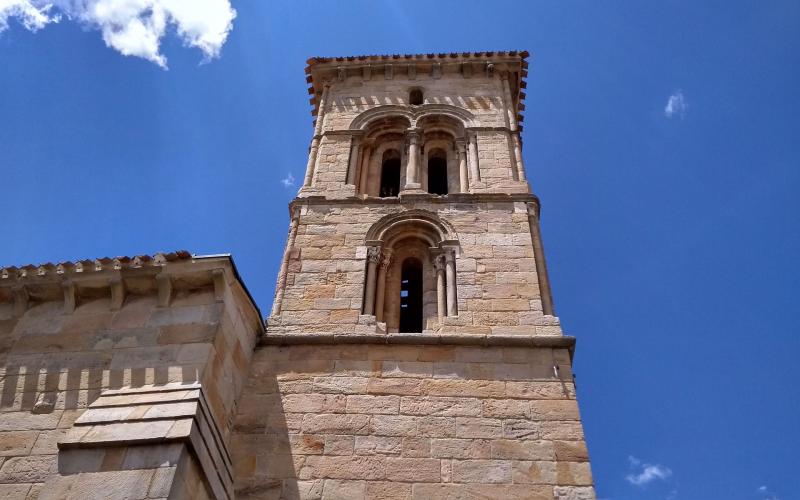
(364, 173)
(312, 154)
(412, 167)
(450, 272)
(473, 157)
(511, 120)
(373, 256)
(439, 265)
(541, 266)
(463, 175)
(352, 166)
(386, 261)
(281, 286)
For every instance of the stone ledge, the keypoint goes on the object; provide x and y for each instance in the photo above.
(477, 197)
(565, 342)
(174, 413)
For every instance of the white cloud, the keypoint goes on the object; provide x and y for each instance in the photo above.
(33, 17)
(676, 105)
(134, 27)
(644, 473)
(288, 181)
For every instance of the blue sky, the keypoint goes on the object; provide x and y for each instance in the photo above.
(671, 231)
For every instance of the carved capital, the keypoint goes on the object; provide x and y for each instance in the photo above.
(438, 263)
(386, 259)
(373, 254)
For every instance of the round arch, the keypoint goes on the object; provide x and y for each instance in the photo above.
(365, 119)
(422, 224)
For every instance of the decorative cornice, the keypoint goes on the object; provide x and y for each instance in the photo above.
(487, 340)
(415, 198)
(116, 277)
(322, 71)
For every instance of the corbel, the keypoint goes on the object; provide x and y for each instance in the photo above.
(70, 296)
(164, 282)
(218, 277)
(21, 298)
(117, 293)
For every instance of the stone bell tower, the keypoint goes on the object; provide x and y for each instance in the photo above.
(412, 350)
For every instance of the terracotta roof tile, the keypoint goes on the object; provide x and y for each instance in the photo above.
(98, 264)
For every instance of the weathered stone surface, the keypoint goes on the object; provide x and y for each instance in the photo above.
(17, 443)
(27, 469)
(470, 491)
(344, 490)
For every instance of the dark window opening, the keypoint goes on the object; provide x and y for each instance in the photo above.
(411, 296)
(415, 97)
(437, 172)
(390, 174)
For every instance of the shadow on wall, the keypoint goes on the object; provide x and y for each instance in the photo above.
(55, 361)
(262, 449)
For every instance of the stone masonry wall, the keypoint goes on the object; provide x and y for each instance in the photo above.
(406, 422)
(498, 289)
(480, 95)
(57, 362)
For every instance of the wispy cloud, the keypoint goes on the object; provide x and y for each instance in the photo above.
(644, 473)
(767, 494)
(288, 181)
(676, 105)
(133, 27)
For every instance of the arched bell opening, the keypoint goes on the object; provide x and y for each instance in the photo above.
(411, 282)
(411, 300)
(437, 172)
(390, 173)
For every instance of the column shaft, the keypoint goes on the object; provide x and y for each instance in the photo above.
(412, 167)
(364, 173)
(380, 299)
(511, 119)
(373, 254)
(440, 290)
(280, 287)
(450, 272)
(541, 266)
(463, 175)
(352, 167)
(474, 170)
(312, 154)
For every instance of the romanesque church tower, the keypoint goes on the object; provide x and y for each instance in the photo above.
(412, 350)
